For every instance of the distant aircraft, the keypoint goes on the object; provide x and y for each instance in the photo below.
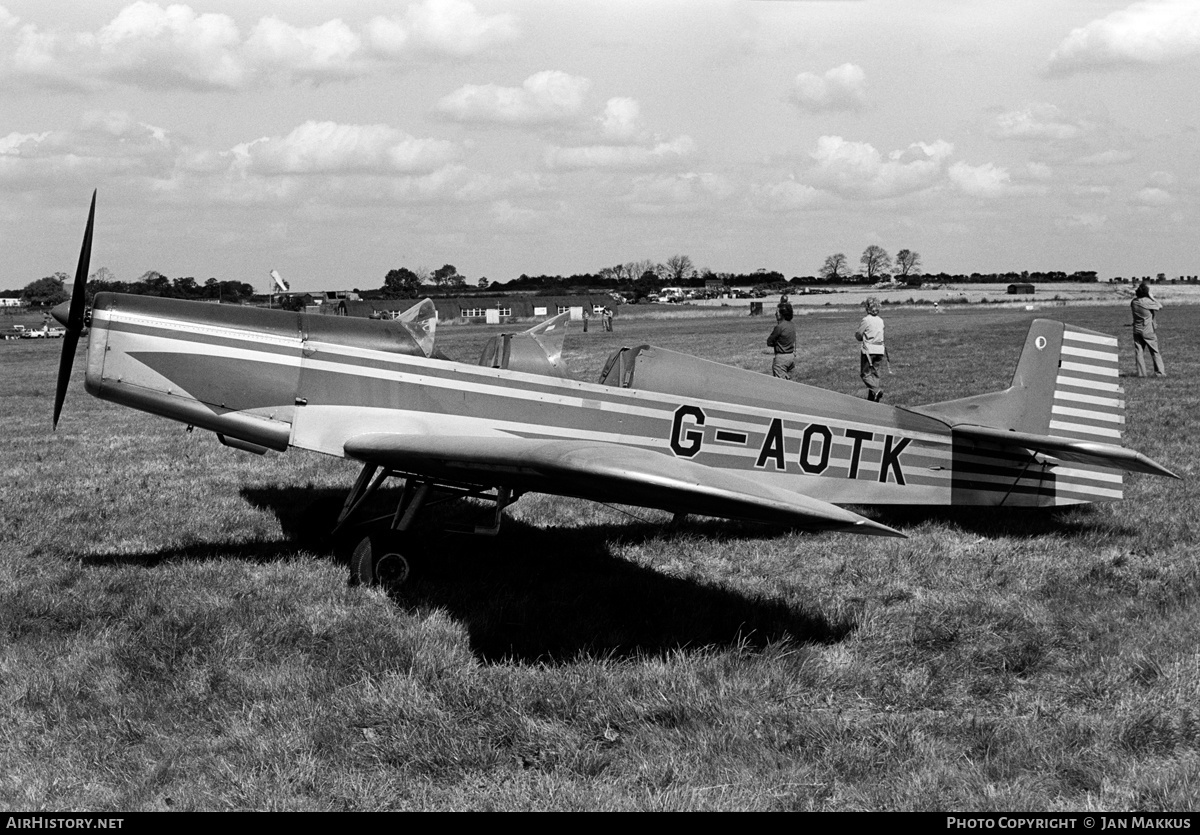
(658, 428)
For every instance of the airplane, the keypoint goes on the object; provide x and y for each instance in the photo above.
(657, 429)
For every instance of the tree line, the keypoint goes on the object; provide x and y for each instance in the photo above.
(49, 291)
(633, 280)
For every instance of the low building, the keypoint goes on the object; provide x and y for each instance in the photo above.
(490, 309)
(1020, 288)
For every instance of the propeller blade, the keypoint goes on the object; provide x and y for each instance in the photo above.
(74, 315)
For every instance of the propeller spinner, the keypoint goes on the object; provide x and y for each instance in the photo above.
(70, 315)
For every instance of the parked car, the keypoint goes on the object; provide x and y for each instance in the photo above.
(55, 333)
(34, 333)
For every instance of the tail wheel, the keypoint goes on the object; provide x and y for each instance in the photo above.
(385, 560)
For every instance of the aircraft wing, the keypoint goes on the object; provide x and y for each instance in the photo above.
(606, 473)
(1078, 452)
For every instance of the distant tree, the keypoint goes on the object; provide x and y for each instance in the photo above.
(629, 271)
(46, 291)
(103, 274)
(152, 283)
(908, 263)
(185, 288)
(835, 268)
(483, 282)
(679, 269)
(442, 275)
(401, 283)
(228, 292)
(876, 261)
(104, 281)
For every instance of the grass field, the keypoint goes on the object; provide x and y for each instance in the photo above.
(174, 634)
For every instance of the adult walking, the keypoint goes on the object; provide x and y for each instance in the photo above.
(873, 353)
(783, 340)
(1145, 340)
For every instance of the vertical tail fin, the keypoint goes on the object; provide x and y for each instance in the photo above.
(1065, 386)
(1065, 404)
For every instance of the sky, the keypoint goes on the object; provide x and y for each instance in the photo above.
(335, 141)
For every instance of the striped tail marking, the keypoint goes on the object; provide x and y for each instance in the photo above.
(1089, 405)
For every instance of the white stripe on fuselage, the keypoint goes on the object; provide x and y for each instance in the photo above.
(496, 381)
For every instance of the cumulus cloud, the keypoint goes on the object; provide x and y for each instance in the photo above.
(988, 181)
(621, 120)
(787, 195)
(1153, 197)
(16, 144)
(455, 27)
(688, 193)
(1039, 121)
(1161, 178)
(330, 148)
(328, 51)
(622, 156)
(1110, 157)
(545, 97)
(104, 144)
(1038, 171)
(856, 169)
(331, 162)
(1086, 220)
(841, 88)
(174, 47)
(985, 180)
(1142, 34)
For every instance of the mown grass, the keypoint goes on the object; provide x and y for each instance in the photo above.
(176, 634)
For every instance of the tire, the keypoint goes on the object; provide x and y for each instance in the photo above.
(384, 560)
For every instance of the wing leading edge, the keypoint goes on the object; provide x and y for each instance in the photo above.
(606, 473)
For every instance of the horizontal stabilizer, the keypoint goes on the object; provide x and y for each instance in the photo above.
(606, 473)
(1078, 452)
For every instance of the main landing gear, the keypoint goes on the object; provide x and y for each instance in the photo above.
(392, 556)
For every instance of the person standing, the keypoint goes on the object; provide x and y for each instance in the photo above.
(873, 353)
(783, 340)
(1145, 340)
(608, 314)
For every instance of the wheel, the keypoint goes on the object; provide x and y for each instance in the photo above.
(383, 559)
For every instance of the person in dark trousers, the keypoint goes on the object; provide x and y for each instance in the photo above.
(783, 340)
(873, 354)
(1145, 340)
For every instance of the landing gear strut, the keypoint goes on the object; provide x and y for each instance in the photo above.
(391, 557)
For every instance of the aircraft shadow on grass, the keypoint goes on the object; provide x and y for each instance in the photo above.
(550, 595)
(1001, 522)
